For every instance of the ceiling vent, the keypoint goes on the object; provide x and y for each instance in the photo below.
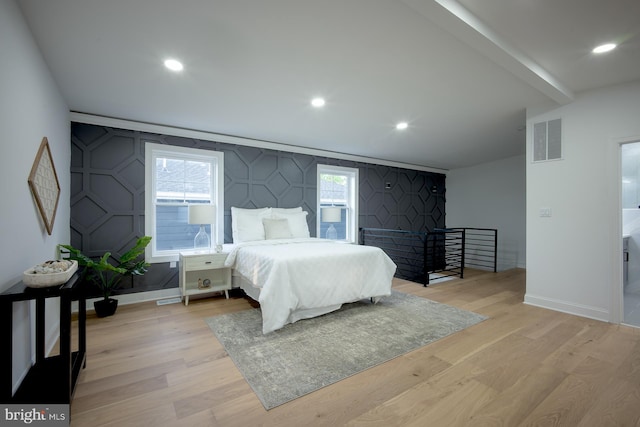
(547, 140)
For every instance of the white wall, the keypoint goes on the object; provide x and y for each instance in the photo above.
(574, 257)
(31, 107)
(492, 195)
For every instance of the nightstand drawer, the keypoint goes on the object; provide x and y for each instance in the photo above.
(204, 262)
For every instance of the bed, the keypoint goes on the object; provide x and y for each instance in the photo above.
(294, 276)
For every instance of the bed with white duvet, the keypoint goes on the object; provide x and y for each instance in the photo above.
(299, 278)
(294, 276)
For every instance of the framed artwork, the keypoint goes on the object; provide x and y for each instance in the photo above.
(43, 182)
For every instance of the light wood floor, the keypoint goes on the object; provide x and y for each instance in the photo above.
(162, 366)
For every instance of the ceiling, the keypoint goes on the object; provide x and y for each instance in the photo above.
(461, 73)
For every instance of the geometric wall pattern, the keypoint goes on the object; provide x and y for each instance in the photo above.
(107, 191)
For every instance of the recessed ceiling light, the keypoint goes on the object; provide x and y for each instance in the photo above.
(173, 65)
(402, 125)
(318, 102)
(604, 48)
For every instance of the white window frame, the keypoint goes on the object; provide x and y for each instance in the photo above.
(353, 180)
(216, 158)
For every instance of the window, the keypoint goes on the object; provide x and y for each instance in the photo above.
(175, 178)
(338, 187)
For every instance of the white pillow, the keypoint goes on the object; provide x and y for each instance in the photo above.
(276, 228)
(246, 224)
(276, 211)
(297, 223)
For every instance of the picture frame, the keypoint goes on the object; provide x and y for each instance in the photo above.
(44, 185)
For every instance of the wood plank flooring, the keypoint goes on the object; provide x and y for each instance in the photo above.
(524, 366)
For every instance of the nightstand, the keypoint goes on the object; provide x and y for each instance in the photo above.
(203, 273)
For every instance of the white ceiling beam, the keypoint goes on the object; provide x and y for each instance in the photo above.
(466, 27)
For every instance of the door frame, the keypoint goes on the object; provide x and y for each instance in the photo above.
(617, 285)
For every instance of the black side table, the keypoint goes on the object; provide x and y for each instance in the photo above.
(50, 379)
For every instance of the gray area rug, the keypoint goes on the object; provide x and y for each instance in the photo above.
(312, 353)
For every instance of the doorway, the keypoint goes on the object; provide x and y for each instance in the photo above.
(630, 194)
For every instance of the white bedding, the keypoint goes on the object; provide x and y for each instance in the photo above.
(298, 275)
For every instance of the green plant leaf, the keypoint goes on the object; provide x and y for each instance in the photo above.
(105, 274)
(128, 259)
(75, 254)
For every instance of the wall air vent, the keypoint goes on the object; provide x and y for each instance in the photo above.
(547, 140)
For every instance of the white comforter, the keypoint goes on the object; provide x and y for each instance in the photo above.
(300, 274)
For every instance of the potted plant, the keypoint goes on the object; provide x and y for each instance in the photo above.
(107, 276)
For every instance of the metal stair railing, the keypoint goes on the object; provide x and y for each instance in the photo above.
(425, 257)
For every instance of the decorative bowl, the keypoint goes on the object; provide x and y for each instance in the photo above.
(35, 277)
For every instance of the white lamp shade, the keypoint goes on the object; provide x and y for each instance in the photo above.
(332, 214)
(202, 214)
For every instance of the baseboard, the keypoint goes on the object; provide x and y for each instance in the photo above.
(135, 298)
(567, 307)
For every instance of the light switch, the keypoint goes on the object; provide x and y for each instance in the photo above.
(172, 264)
(545, 212)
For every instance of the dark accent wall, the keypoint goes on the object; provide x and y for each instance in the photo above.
(107, 191)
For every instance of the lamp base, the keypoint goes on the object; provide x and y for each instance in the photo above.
(332, 234)
(202, 240)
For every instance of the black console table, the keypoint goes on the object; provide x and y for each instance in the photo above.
(50, 379)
